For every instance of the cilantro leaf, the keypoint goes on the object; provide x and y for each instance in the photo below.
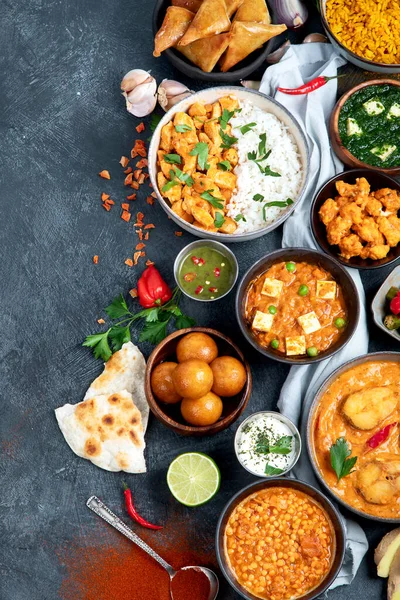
(240, 217)
(184, 177)
(119, 336)
(266, 155)
(118, 308)
(183, 321)
(245, 128)
(341, 464)
(99, 343)
(215, 202)
(283, 204)
(182, 128)
(252, 155)
(169, 185)
(172, 159)
(261, 145)
(262, 445)
(225, 118)
(258, 197)
(225, 165)
(227, 140)
(154, 121)
(282, 446)
(201, 151)
(219, 220)
(268, 171)
(269, 470)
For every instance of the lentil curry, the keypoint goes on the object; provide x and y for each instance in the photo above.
(362, 405)
(279, 543)
(296, 308)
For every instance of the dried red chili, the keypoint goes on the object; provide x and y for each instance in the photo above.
(152, 289)
(132, 512)
(380, 436)
(306, 88)
(190, 583)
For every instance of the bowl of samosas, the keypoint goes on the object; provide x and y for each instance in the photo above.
(354, 218)
(214, 40)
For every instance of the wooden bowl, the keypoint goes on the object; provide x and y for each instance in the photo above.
(377, 180)
(170, 414)
(343, 153)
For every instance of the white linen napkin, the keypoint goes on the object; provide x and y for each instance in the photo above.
(300, 64)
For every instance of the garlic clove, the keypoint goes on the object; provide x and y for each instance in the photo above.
(170, 92)
(315, 37)
(139, 89)
(275, 56)
(251, 85)
(134, 78)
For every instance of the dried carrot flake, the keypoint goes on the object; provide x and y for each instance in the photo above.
(149, 263)
(143, 162)
(129, 262)
(126, 216)
(128, 179)
(134, 154)
(95, 259)
(143, 253)
(142, 178)
(125, 205)
(101, 321)
(109, 201)
(140, 246)
(107, 207)
(146, 237)
(135, 185)
(140, 234)
(128, 170)
(133, 293)
(178, 233)
(150, 200)
(149, 226)
(123, 161)
(140, 127)
(105, 196)
(105, 174)
(136, 257)
(131, 197)
(140, 216)
(137, 173)
(153, 194)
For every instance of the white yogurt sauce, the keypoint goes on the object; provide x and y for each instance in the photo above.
(259, 434)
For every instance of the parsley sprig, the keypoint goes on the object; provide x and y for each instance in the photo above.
(177, 177)
(260, 155)
(282, 446)
(213, 200)
(227, 140)
(283, 204)
(156, 320)
(201, 151)
(339, 453)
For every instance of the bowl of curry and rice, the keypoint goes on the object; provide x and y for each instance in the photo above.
(228, 164)
(365, 32)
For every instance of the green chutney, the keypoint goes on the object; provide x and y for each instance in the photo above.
(205, 274)
(369, 125)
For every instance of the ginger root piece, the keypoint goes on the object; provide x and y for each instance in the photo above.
(176, 22)
(386, 551)
(247, 37)
(211, 19)
(253, 10)
(206, 53)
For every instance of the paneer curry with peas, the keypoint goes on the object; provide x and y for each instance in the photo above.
(296, 308)
(360, 410)
(195, 162)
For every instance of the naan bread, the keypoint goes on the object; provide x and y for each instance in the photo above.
(123, 371)
(107, 430)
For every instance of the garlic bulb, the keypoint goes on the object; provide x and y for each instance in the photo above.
(170, 92)
(275, 57)
(315, 37)
(251, 85)
(139, 89)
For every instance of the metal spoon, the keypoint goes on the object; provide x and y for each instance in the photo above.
(98, 507)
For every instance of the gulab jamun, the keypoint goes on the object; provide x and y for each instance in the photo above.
(229, 376)
(192, 378)
(162, 385)
(196, 345)
(203, 411)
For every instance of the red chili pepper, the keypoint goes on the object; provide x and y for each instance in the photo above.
(195, 260)
(380, 436)
(306, 88)
(217, 272)
(202, 262)
(199, 289)
(132, 512)
(395, 304)
(152, 289)
(213, 289)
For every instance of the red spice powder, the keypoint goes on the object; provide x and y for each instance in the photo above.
(190, 583)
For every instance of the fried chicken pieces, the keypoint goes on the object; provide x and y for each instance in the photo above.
(362, 223)
(202, 31)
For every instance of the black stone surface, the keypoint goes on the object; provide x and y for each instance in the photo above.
(63, 120)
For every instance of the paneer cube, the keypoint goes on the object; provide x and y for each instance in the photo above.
(262, 321)
(373, 107)
(326, 290)
(309, 322)
(295, 345)
(383, 151)
(394, 111)
(272, 287)
(352, 127)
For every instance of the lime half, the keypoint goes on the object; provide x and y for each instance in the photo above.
(193, 478)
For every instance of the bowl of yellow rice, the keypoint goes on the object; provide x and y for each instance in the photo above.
(365, 32)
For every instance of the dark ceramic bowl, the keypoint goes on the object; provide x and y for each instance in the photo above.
(170, 414)
(340, 274)
(332, 513)
(377, 180)
(239, 71)
(387, 356)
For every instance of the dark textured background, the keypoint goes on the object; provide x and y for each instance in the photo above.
(63, 120)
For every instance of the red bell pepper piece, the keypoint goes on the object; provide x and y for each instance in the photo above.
(152, 289)
(395, 305)
(380, 436)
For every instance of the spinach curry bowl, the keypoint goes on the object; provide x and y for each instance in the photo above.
(365, 126)
(297, 306)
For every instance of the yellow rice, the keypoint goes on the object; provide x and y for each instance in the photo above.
(369, 28)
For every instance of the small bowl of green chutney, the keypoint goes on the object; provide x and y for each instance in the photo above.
(365, 126)
(206, 270)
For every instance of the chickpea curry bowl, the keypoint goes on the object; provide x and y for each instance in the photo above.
(353, 435)
(297, 305)
(280, 539)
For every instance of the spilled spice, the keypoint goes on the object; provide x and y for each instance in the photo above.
(190, 583)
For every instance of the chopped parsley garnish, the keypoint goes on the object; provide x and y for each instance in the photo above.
(238, 218)
(201, 151)
(215, 202)
(339, 453)
(227, 140)
(182, 128)
(270, 172)
(172, 159)
(287, 202)
(261, 145)
(177, 177)
(262, 155)
(258, 197)
(219, 220)
(269, 470)
(227, 116)
(245, 128)
(282, 446)
(225, 165)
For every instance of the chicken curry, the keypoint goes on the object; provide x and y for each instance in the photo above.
(362, 406)
(296, 308)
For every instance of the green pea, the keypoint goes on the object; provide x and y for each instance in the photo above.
(291, 267)
(272, 309)
(275, 344)
(312, 351)
(340, 323)
(303, 290)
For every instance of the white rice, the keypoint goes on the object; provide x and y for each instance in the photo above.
(284, 159)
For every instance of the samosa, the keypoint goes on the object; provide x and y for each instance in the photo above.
(192, 5)
(176, 22)
(232, 6)
(247, 37)
(211, 19)
(253, 10)
(206, 53)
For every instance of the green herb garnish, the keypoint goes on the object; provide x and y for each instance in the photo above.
(261, 145)
(227, 140)
(227, 116)
(245, 128)
(287, 202)
(268, 171)
(154, 121)
(219, 220)
(240, 217)
(225, 165)
(269, 470)
(201, 151)
(215, 202)
(282, 446)
(339, 453)
(172, 159)
(258, 197)
(183, 128)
